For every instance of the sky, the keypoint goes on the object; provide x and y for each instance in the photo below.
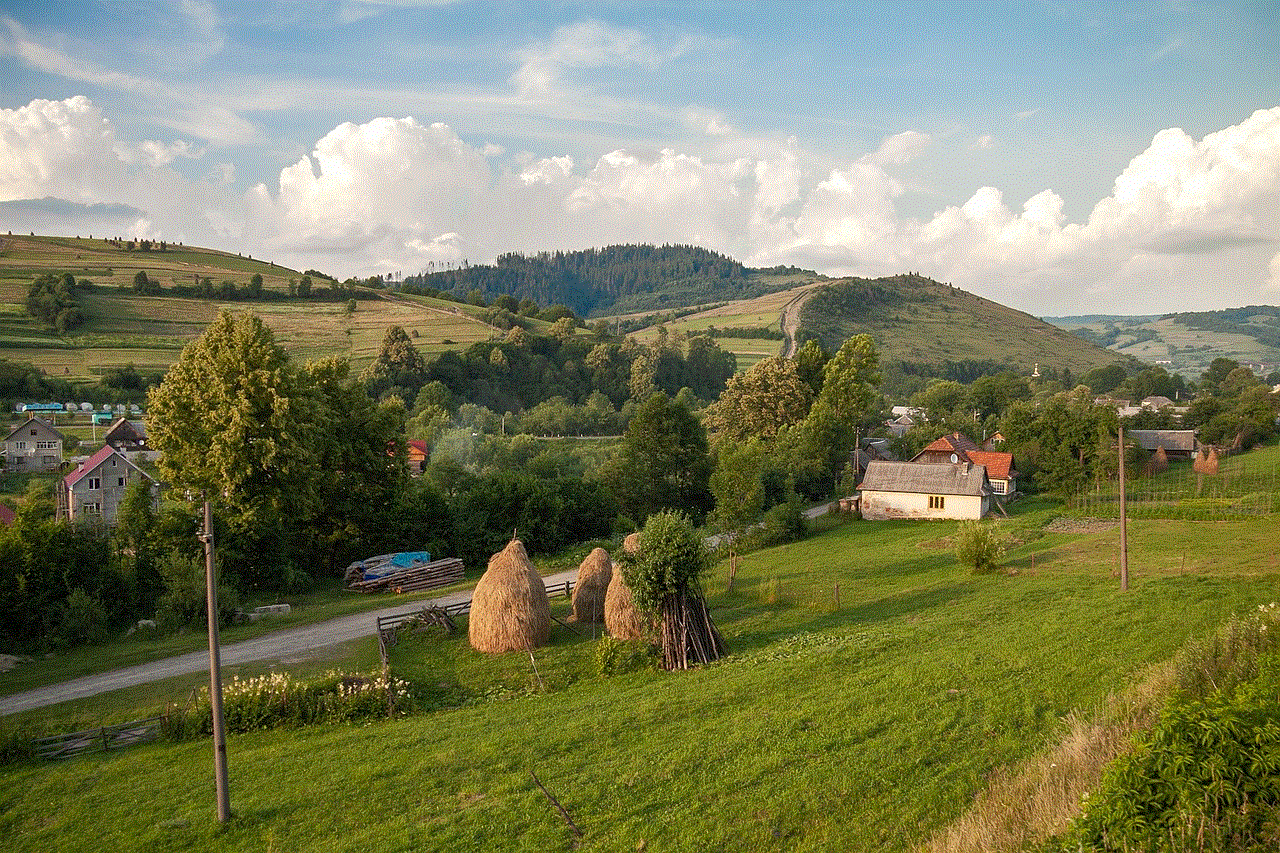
(1057, 157)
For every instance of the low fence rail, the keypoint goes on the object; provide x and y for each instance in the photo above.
(98, 740)
(392, 621)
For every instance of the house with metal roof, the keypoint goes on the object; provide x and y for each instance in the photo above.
(95, 490)
(1177, 443)
(34, 446)
(925, 490)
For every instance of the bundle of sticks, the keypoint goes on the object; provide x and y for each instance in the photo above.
(427, 576)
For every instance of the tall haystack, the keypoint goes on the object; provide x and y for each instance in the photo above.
(509, 608)
(1159, 462)
(594, 575)
(621, 618)
(1206, 461)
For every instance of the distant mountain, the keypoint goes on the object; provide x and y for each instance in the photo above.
(622, 279)
(927, 329)
(1188, 342)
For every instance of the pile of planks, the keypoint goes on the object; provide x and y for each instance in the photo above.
(427, 576)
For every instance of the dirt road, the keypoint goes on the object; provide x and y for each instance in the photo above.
(278, 646)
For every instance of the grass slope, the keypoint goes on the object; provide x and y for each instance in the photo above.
(919, 321)
(863, 726)
(149, 331)
(1187, 343)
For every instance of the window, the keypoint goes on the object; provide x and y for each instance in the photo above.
(45, 445)
(22, 445)
(120, 482)
(937, 502)
(95, 483)
(91, 508)
(48, 460)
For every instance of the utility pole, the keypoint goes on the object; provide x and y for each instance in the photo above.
(215, 671)
(1124, 538)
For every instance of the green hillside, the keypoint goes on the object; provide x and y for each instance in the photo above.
(1188, 342)
(936, 329)
(123, 327)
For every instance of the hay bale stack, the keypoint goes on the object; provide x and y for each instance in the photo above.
(594, 575)
(1206, 461)
(1159, 462)
(509, 608)
(621, 617)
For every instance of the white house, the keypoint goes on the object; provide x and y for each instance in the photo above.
(97, 487)
(34, 446)
(925, 490)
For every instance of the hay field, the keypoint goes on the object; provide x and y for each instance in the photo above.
(149, 332)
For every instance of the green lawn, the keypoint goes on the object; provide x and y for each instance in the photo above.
(859, 727)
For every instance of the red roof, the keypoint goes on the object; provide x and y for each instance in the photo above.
(955, 443)
(999, 465)
(90, 464)
(418, 445)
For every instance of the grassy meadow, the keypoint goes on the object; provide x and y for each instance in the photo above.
(149, 331)
(860, 719)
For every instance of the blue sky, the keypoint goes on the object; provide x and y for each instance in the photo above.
(1058, 157)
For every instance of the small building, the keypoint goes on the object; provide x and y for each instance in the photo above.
(416, 455)
(1156, 403)
(925, 490)
(1178, 444)
(97, 487)
(130, 438)
(33, 446)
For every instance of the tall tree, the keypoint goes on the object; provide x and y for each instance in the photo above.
(233, 420)
(398, 365)
(663, 461)
(761, 401)
(737, 483)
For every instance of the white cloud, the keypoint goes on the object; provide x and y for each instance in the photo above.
(900, 148)
(706, 121)
(982, 143)
(397, 193)
(585, 45)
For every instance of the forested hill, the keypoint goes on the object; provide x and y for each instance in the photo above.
(612, 280)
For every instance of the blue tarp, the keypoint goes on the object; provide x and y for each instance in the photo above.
(381, 566)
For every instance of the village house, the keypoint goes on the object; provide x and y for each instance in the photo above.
(416, 455)
(958, 447)
(34, 446)
(97, 487)
(130, 439)
(925, 490)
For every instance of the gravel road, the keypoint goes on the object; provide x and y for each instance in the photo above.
(280, 645)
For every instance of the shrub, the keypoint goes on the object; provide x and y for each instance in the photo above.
(84, 619)
(183, 604)
(979, 547)
(615, 657)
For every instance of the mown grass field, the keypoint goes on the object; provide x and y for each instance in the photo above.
(859, 726)
(149, 331)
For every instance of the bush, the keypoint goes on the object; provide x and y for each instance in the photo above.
(615, 657)
(84, 619)
(979, 547)
(183, 604)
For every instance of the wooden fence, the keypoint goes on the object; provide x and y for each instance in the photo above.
(98, 740)
(395, 620)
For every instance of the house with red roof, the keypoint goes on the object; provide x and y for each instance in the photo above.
(95, 490)
(958, 447)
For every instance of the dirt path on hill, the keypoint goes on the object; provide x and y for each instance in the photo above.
(287, 645)
(790, 321)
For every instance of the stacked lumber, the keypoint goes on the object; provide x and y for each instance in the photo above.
(415, 578)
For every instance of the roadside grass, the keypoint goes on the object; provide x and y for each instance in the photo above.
(327, 601)
(866, 726)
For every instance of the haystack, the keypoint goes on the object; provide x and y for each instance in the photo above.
(592, 585)
(509, 608)
(1159, 462)
(1206, 461)
(621, 617)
